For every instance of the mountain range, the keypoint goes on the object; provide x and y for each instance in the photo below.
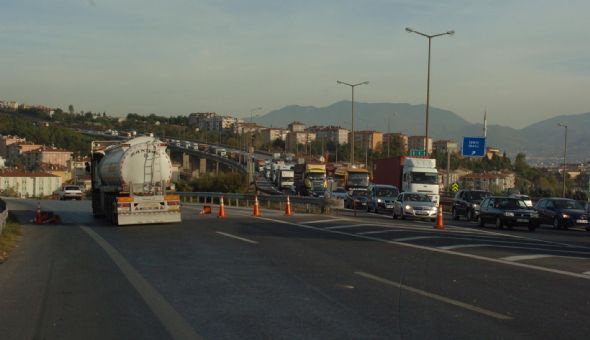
(541, 141)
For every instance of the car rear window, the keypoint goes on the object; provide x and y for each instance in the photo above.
(72, 188)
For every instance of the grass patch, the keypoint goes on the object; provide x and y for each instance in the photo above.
(10, 236)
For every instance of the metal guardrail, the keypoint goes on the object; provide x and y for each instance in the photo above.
(298, 203)
(3, 217)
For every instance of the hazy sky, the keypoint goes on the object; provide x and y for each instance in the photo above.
(523, 60)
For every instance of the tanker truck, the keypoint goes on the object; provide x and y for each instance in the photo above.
(131, 180)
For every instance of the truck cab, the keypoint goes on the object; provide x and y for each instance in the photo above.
(420, 175)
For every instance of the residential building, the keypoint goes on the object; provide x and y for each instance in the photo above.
(246, 127)
(454, 177)
(490, 181)
(367, 139)
(16, 150)
(217, 123)
(296, 126)
(417, 143)
(298, 137)
(47, 155)
(270, 135)
(395, 137)
(444, 146)
(29, 184)
(201, 120)
(6, 140)
(61, 171)
(9, 104)
(490, 152)
(334, 134)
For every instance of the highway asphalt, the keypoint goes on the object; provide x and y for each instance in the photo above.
(302, 277)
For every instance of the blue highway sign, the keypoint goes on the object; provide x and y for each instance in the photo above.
(474, 146)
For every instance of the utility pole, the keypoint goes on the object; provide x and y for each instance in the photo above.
(429, 37)
(352, 86)
(564, 157)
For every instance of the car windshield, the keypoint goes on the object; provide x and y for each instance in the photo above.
(511, 203)
(424, 177)
(568, 204)
(386, 192)
(72, 188)
(477, 195)
(417, 198)
(358, 179)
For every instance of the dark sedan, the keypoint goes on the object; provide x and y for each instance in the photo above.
(466, 203)
(562, 213)
(356, 199)
(507, 211)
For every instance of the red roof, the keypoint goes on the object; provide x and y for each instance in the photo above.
(21, 173)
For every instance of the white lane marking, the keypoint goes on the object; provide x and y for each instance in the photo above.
(323, 221)
(586, 273)
(525, 257)
(404, 239)
(437, 297)
(174, 323)
(459, 246)
(435, 250)
(381, 232)
(236, 237)
(346, 226)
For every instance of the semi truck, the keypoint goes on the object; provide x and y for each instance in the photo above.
(131, 182)
(409, 174)
(350, 177)
(285, 178)
(310, 179)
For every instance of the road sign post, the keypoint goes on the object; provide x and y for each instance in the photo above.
(474, 146)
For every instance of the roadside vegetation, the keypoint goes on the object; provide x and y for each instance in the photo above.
(10, 237)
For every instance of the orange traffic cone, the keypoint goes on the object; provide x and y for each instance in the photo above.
(440, 224)
(38, 215)
(256, 211)
(206, 210)
(288, 211)
(221, 208)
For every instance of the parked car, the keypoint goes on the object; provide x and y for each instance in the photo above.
(381, 197)
(356, 199)
(339, 193)
(562, 212)
(466, 203)
(414, 204)
(70, 192)
(507, 211)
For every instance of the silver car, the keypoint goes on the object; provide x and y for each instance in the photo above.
(414, 204)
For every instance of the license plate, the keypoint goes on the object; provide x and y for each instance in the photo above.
(389, 206)
(522, 220)
(421, 213)
(582, 221)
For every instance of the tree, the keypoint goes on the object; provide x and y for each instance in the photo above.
(71, 109)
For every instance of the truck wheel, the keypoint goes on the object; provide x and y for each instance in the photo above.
(499, 223)
(455, 215)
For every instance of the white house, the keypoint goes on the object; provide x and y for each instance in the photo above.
(29, 184)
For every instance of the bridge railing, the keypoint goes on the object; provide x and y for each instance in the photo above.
(298, 203)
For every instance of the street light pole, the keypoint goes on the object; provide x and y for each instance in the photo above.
(429, 37)
(564, 155)
(352, 86)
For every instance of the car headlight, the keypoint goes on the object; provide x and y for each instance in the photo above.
(408, 207)
(565, 215)
(509, 213)
(379, 200)
(475, 205)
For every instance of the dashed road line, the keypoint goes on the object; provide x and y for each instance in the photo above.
(236, 237)
(436, 297)
(381, 232)
(346, 226)
(405, 239)
(459, 246)
(322, 221)
(525, 257)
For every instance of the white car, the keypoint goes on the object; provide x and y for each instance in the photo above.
(70, 192)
